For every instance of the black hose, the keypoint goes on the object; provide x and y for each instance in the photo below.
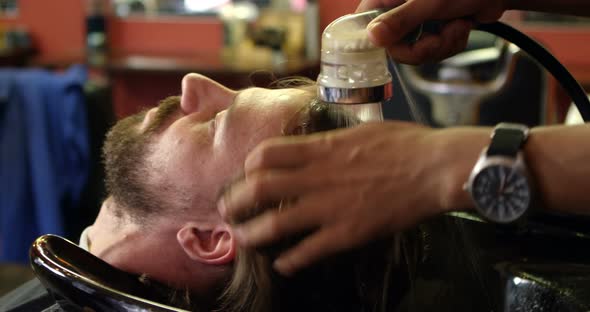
(546, 59)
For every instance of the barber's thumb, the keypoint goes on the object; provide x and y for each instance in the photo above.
(380, 34)
(392, 26)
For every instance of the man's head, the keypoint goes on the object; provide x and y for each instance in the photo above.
(167, 166)
(188, 147)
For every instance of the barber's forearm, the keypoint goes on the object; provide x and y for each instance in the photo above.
(558, 158)
(572, 7)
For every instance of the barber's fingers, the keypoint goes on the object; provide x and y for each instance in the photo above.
(367, 5)
(277, 224)
(333, 234)
(391, 26)
(297, 151)
(454, 38)
(260, 188)
(288, 152)
(451, 40)
(320, 244)
(416, 53)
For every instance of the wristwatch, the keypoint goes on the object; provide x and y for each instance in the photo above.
(499, 184)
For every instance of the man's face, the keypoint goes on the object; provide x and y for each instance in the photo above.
(203, 143)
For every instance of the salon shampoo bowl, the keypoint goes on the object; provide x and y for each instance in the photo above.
(70, 273)
(466, 265)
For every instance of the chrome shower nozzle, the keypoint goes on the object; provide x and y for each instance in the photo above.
(354, 71)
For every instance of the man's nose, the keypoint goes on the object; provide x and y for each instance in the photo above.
(203, 95)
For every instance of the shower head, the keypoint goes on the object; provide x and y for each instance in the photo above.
(354, 73)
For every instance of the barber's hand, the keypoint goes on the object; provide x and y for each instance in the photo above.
(345, 187)
(388, 29)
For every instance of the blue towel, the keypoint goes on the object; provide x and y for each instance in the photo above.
(44, 154)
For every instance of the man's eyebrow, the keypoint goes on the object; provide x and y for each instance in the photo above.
(300, 121)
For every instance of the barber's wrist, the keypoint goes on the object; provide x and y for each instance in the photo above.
(460, 148)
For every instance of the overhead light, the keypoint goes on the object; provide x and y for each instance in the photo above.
(203, 5)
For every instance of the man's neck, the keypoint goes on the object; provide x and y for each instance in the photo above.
(150, 250)
(109, 232)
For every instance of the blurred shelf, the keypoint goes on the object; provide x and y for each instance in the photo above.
(210, 63)
(204, 63)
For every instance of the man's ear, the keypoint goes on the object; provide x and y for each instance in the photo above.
(200, 93)
(214, 245)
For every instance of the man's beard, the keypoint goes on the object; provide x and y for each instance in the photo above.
(124, 153)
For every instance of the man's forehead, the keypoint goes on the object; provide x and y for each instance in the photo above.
(272, 95)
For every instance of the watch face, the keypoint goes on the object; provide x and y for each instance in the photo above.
(501, 193)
